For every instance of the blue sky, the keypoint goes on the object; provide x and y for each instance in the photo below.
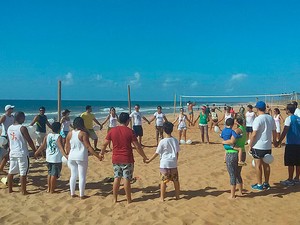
(160, 48)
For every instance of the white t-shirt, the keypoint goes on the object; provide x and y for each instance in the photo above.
(137, 118)
(263, 125)
(113, 121)
(159, 119)
(53, 154)
(250, 116)
(297, 112)
(17, 143)
(9, 120)
(167, 149)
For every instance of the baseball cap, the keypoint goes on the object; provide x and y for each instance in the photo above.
(7, 107)
(260, 105)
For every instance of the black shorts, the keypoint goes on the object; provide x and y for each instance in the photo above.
(138, 130)
(292, 155)
(249, 129)
(259, 154)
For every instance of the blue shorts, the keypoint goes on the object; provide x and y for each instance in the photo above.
(64, 134)
(123, 170)
(54, 169)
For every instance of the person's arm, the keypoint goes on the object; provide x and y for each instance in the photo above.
(144, 118)
(165, 118)
(97, 122)
(140, 150)
(153, 118)
(60, 147)
(103, 148)
(222, 118)
(48, 124)
(25, 134)
(63, 119)
(42, 147)
(35, 119)
(87, 144)
(187, 119)
(68, 146)
(196, 120)
(252, 138)
(106, 119)
(2, 119)
(283, 134)
(230, 141)
(175, 120)
(152, 157)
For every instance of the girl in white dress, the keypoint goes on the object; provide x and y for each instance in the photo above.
(182, 118)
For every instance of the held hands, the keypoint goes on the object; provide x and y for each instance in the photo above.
(146, 160)
(101, 156)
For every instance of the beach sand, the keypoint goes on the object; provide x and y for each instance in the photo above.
(204, 192)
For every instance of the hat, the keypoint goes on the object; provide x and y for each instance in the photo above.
(42, 108)
(65, 112)
(7, 107)
(260, 105)
(203, 107)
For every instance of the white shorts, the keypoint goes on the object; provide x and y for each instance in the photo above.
(181, 128)
(19, 165)
(40, 138)
(277, 129)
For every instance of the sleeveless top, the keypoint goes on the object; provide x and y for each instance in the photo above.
(66, 125)
(78, 151)
(214, 116)
(240, 142)
(17, 143)
(41, 123)
(227, 116)
(112, 121)
(181, 121)
(9, 120)
(53, 154)
(203, 118)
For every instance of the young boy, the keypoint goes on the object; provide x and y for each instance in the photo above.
(54, 152)
(19, 157)
(168, 150)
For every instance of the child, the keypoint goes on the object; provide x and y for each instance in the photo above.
(182, 124)
(160, 117)
(232, 158)
(54, 151)
(168, 150)
(277, 118)
(19, 157)
(250, 116)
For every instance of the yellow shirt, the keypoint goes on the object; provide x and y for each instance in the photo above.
(88, 120)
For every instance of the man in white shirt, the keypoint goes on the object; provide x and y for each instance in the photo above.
(261, 144)
(297, 111)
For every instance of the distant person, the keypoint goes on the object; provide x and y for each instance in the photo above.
(88, 118)
(241, 113)
(41, 121)
(182, 118)
(269, 110)
(112, 119)
(214, 119)
(250, 116)
(297, 111)
(227, 114)
(65, 125)
(54, 154)
(122, 137)
(191, 111)
(168, 150)
(137, 117)
(261, 144)
(292, 148)
(77, 148)
(207, 110)
(19, 156)
(160, 118)
(277, 118)
(6, 120)
(203, 124)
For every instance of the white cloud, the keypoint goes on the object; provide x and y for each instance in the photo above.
(238, 76)
(68, 79)
(194, 84)
(136, 80)
(170, 82)
(100, 81)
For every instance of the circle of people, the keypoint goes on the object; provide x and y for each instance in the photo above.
(257, 129)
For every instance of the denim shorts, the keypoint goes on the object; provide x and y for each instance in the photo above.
(54, 169)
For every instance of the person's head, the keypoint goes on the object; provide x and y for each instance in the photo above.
(295, 103)
(168, 127)
(276, 111)
(203, 108)
(239, 120)
(181, 110)
(88, 108)
(290, 108)
(229, 122)
(213, 109)
(9, 109)
(19, 117)
(260, 106)
(56, 127)
(159, 108)
(42, 110)
(78, 123)
(137, 107)
(65, 112)
(228, 108)
(112, 110)
(249, 108)
(124, 118)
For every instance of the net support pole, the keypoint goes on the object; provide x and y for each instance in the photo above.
(59, 101)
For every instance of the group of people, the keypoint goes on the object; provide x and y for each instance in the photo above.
(74, 145)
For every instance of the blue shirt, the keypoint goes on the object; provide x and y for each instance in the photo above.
(293, 135)
(226, 135)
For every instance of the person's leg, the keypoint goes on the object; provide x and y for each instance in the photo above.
(202, 133)
(116, 187)
(267, 171)
(23, 184)
(3, 161)
(10, 178)
(177, 189)
(258, 171)
(231, 160)
(184, 134)
(49, 183)
(74, 173)
(297, 172)
(162, 190)
(127, 188)
(53, 184)
(95, 143)
(157, 135)
(180, 134)
(291, 172)
(82, 170)
(206, 133)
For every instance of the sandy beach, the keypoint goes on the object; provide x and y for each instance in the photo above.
(204, 192)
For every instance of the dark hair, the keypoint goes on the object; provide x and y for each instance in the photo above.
(42, 108)
(295, 103)
(239, 120)
(123, 118)
(159, 107)
(88, 107)
(228, 107)
(137, 105)
(112, 108)
(168, 127)
(181, 109)
(229, 122)
(250, 106)
(78, 123)
(291, 107)
(19, 116)
(277, 110)
(56, 127)
(65, 112)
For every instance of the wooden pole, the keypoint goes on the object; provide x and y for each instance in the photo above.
(129, 103)
(174, 106)
(59, 101)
